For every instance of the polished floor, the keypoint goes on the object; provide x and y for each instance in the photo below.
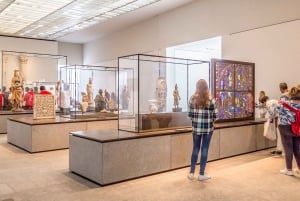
(45, 177)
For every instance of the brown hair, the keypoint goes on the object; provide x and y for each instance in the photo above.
(283, 86)
(201, 96)
(294, 93)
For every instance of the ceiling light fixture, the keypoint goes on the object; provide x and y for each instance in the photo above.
(56, 18)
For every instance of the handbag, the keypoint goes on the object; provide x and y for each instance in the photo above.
(295, 126)
(270, 130)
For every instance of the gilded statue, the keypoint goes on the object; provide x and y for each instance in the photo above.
(17, 92)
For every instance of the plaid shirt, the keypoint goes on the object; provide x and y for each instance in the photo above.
(203, 119)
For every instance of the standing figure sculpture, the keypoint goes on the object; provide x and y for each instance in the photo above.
(176, 100)
(90, 90)
(17, 92)
(100, 103)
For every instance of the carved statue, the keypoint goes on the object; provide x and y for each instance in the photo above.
(112, 103)
(100, 103)
(17, 92)
(90, 90)
(84, 102)
(161, 94)
(176, 97)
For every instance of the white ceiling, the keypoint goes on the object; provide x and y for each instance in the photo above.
(77, 21)
(125, 20)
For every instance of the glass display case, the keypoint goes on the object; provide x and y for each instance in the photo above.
(29, 71)
(154, 91)
(234, 89)
(86, 91)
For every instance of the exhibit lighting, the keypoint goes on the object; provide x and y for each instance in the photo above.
(56, 18)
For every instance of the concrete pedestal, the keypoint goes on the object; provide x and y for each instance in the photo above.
(110, 156)
(48, 134)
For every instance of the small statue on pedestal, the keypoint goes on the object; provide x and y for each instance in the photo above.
(176, 100)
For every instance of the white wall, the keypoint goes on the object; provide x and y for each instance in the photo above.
(73, 51)
(36, 69)
(199, 20)
(274, 50)
(28, 45)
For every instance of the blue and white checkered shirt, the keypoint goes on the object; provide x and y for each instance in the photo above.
(203, 119)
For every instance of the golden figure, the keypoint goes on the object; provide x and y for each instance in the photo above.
(17, 92)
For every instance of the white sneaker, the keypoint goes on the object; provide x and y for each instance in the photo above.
(287, 172)
(190, 176)
(297, 171)
(203, 177)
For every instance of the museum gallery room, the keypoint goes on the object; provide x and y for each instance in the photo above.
(147, 100)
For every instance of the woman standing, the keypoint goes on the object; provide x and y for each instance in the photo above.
(290, 142)
(203, 113)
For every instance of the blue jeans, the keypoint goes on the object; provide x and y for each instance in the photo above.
(197, 139)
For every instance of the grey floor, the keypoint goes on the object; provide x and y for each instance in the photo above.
(45, 177)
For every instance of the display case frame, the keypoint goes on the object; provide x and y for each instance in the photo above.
(36, 69)
(151, 105)
(234, 86)
(84, 83)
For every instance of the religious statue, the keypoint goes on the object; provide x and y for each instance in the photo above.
(100, 103)
(176, 100)
(17, 92)
(90, 90)
(112, 103)
(161, 94)
(84, 102)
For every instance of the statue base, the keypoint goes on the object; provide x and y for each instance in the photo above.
(178, 109)
(18, 110)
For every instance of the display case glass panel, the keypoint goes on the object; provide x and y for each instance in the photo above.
(234, 88)
(154, 91)
(32, 70)
(86, 91)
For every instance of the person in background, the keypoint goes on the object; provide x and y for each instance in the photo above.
(290, 142)
(283, 87)
(44, 91)
(262, 104)
(6, 100)
(202, 111)
(107, 95)
(125, 98)
(35, 90)
(28, 98)
(65, 98)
